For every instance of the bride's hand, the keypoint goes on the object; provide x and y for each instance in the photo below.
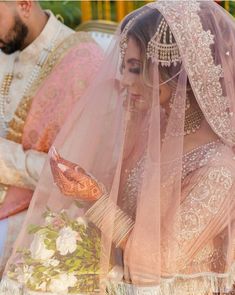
(72, 180)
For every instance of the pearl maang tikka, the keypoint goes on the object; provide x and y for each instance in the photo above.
(162, 48)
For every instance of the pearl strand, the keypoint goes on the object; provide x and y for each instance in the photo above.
(5, 89)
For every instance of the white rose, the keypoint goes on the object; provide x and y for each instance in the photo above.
(38, 248)
(82, 221)
(25, 274)
(42, 286)
(49, 219)
(51, 262)
(66, 241)
(71, 280)
(61, 284)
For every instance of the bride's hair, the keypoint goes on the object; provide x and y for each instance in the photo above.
(142, 30)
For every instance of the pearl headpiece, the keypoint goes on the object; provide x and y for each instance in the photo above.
(162, 48)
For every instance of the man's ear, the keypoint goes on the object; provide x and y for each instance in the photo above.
(24, 8)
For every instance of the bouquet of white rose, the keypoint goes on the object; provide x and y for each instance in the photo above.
(63, 256)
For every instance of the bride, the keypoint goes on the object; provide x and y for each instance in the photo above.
(144, 194)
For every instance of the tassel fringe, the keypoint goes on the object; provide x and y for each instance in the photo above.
(198, 284)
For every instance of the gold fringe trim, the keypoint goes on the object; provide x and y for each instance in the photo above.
(16, 125)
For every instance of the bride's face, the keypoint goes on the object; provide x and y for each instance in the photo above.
(132, 79)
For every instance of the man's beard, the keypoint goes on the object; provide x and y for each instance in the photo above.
(19, 32)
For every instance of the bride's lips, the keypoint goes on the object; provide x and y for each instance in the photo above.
(136, 96)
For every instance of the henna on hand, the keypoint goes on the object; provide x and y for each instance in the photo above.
(73, 180)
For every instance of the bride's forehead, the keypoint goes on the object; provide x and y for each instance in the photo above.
(132, 50)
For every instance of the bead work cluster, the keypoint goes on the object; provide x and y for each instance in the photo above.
(199, 157)
(161, 47)
(205, 80)
(6, 85)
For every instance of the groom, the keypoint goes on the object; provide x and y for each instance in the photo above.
(45, 68)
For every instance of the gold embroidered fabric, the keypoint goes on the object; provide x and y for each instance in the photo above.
(16, 125)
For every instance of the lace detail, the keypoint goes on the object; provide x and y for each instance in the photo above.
(199, 157)
(204, 202)
(194, 44)
(192, 160)
(134, 179)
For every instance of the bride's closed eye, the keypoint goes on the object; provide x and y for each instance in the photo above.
(133, 66)
(135, 70)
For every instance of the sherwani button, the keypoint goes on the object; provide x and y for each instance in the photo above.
(19, 75)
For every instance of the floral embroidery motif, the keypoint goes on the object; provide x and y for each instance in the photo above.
(203, 202)
(192, 161)
(200, 157)
(133, 182)
(194, 44)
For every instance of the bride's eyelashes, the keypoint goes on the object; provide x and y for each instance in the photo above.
(136, 71)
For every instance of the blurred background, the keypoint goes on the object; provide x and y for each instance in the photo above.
(73, 12)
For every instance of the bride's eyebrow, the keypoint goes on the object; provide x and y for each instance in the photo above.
(133, 60)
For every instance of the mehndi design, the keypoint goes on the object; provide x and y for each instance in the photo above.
(73, 180)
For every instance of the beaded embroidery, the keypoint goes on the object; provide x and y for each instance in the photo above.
(134, 179)
(204, 201)
(199, 157)
(192, 160)
(194, 45)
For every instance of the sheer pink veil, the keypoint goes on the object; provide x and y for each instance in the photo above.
(62, 89)
(136, 150)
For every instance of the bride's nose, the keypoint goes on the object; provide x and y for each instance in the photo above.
(127, 79)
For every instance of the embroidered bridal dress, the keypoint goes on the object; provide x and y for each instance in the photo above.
(144, 172)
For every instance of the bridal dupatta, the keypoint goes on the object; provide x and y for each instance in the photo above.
(165, 223)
